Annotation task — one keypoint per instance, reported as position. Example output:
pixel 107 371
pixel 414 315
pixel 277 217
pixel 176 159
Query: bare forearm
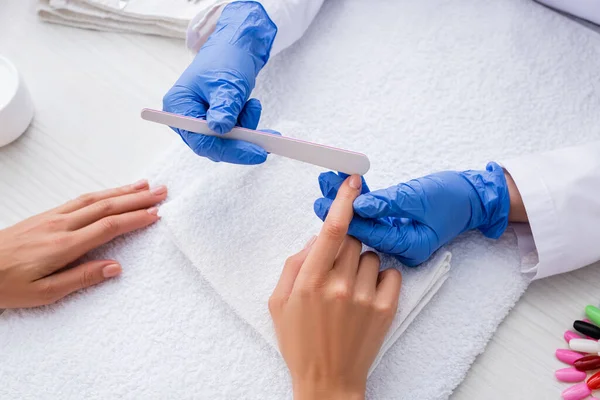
pixel 517 208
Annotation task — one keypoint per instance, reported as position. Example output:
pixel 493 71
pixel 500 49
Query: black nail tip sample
pixel 587 329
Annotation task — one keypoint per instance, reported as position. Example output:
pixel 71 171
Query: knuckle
pixel 307 291
pixel 110 225
pixel 56 223
pixel 291 260
pixel 340 291
pixel 61 241
pixel 85 199
pixel 274 303
pixel 169 99
pixel 47 292
pixel 334 228
pixel 385 310
pixel 105 206
pixel 86 278
pixel 363 300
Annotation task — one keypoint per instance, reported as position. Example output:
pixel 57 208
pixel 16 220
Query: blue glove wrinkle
pixel 329 183
pixel 321 207
pixel 495 196
pixel 246 25
pixel 250 115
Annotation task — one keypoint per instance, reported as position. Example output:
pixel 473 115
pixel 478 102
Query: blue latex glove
pixel 217 84
pixel 414 219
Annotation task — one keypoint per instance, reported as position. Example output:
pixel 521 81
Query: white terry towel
pixel 158 17
pixel 419 86
pixel 249 221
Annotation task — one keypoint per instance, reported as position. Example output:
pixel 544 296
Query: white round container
pixel 16 107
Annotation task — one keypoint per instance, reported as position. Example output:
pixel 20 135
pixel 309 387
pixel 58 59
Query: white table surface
pixel 88 89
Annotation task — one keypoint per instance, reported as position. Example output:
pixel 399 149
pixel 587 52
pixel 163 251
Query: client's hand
pixel 332 308
pixel 34 252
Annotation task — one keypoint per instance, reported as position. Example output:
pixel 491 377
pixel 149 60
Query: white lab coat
pixel 560 189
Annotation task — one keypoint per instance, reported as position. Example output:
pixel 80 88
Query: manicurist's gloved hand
pixel 218 83
pixel 414 219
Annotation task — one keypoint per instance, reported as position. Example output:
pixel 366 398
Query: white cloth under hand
pixel 234 233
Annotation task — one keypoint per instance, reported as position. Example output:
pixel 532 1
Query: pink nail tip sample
pixel 570 375
pixel 571 335
pixel 568 356
pixel 577 392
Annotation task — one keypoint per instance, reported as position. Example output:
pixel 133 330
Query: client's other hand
pixel 34 252
pixel 332 308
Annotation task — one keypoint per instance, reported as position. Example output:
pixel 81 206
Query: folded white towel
pixel 238 227
pixel 429 85
pixel 157 17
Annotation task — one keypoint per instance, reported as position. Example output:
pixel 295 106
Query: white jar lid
pixel 16 107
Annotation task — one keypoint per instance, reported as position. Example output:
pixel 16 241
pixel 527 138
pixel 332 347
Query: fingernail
pixel 153 211
pixel 142 183
pixel 158 190
pixel 310 242
pixel 112 270
pixel 355 182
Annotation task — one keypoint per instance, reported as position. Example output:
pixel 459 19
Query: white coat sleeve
pixel 292 18
pixel 561 194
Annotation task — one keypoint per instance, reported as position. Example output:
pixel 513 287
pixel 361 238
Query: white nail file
pixel 332 158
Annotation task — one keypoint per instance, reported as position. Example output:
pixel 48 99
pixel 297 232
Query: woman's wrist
pixel 311 390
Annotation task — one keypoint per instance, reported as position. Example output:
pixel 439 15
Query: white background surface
pixel 88 89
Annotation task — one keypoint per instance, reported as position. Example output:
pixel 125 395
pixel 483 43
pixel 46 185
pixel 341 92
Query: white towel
pixel 158 17
pixel 418 86
pixel 238 227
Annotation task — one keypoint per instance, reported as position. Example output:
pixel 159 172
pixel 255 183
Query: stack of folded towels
pixel 157 17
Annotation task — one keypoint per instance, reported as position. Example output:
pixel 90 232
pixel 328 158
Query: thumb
pixel 290 272
pixel 226 102
pixel 82 276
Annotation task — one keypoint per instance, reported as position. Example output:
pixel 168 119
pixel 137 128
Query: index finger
pixel 325 249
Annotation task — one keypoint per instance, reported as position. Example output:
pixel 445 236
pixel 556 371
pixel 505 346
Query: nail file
pixel 332 158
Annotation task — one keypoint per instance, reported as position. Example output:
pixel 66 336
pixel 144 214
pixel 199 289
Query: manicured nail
pixel 112 270
pixel 142 183
pixel 355 182
pixel 158 190
pixel 310 242
pixel 153 211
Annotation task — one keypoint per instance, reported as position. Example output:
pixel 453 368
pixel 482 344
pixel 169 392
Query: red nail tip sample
pixel 587 363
